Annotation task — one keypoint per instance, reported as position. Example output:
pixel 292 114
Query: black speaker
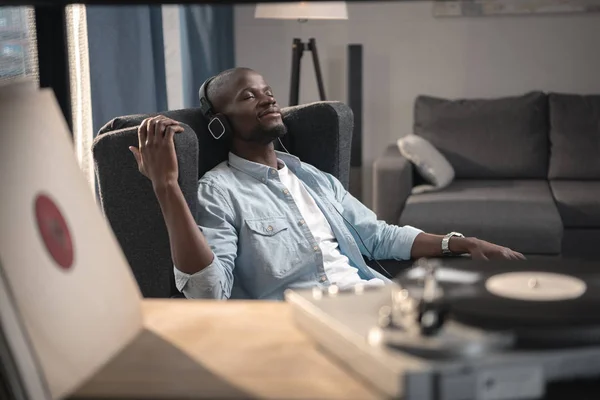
pixel 355 101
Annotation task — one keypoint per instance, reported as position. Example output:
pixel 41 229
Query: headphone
pixel 218 124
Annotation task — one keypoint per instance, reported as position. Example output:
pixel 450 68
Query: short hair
pixel 219 83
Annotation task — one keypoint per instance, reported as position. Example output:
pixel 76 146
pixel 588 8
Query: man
pixel 267 220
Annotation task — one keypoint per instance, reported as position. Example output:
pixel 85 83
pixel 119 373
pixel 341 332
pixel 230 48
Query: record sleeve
pixel 68 282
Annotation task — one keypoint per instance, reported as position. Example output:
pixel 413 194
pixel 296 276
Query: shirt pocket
pixel 272 242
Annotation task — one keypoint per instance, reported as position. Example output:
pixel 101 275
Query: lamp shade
pixel 302 10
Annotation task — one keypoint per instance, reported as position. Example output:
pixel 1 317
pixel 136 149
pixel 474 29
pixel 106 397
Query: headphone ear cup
pixel 219 127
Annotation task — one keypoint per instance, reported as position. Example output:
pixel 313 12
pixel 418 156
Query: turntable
pixel 493 330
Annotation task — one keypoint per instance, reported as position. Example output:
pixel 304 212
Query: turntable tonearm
pixel 500 331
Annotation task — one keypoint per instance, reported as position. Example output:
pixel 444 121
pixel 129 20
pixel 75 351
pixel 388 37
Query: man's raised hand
pixel 155 154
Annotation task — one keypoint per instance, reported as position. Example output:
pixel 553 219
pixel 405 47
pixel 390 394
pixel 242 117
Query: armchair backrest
pixel 319 134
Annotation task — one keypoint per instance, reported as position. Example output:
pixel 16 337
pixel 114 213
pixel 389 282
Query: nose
pixel 267 100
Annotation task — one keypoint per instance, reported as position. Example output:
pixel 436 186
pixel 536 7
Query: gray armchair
pixel 318 133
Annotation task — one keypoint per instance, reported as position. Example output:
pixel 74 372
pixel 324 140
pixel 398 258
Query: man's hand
pixel 428 245
pixel 482 250
pixel 155 155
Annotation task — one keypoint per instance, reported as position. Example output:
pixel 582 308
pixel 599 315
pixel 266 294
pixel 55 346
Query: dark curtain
pixel 207 41
pixel 127 65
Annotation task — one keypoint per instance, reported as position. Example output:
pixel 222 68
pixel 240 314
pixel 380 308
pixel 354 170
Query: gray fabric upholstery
pixel 488 138
pixel 392 184
pixel 575 136
pixel 129 204
pixel 581 243
pixel 519 214
pixel 578 203
pixel 319 133
pixel 210 151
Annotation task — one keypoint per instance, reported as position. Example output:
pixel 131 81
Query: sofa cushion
pixel 488 138
pixel 578 203
pixel 519 214
pixel 428 161
pixel 574 136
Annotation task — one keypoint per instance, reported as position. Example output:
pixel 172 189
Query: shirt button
pixel 316 248
pixel 263 179
pixel 273 172
pixel 323 279
pixel 301 222
pixel 286 191
pixel 269 228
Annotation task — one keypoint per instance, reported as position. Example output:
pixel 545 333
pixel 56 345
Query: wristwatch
pixel 446 242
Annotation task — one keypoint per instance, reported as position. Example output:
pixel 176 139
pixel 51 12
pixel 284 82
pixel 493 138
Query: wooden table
pixel 234 349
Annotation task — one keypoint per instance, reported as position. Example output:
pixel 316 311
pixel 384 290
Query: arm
pixel 428 245
pixel 386 241
pixel 194 259
pixel 216 219
pixel 189 248
pixel 375 238
pixel 157 161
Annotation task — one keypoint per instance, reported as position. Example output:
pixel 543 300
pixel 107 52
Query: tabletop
pixel 233 349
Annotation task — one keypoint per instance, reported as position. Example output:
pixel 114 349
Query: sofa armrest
pixel 392 184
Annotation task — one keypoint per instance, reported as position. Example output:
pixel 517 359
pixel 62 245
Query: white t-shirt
pixel 337 266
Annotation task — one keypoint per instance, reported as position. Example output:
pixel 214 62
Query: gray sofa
pixel 527 172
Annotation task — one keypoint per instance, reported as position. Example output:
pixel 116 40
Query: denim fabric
pixel 261 245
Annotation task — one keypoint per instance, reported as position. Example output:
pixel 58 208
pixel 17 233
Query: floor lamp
pixel 302 12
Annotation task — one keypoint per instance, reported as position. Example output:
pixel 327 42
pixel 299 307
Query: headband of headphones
pixel 205 106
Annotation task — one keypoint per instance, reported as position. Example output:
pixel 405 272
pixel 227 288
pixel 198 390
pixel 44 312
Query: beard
pixel 267 135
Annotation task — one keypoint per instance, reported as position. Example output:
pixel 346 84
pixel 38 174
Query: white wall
pixel 408 52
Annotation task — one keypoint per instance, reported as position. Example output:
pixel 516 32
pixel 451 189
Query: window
pixel 18 59
pixel 18 51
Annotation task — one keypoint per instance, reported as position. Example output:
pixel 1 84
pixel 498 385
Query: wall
pixel 408 52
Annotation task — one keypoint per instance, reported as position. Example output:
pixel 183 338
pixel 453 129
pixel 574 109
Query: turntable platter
pixel 535 286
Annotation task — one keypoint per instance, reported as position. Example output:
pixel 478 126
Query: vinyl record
pixel 545 303
pixel 525 295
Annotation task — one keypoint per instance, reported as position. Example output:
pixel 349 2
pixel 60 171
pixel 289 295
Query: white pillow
pixel 428 161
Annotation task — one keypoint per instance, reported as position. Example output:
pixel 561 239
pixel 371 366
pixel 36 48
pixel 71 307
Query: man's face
pixel 252 109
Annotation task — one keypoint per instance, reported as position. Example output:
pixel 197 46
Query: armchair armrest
pixel 392 184
pixel 132 210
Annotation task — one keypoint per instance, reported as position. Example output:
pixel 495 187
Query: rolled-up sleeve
pixel 215 220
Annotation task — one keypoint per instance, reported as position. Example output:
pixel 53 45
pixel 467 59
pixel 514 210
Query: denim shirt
pixel 260 242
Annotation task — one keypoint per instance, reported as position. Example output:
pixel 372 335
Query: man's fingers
pixel 520 256
pixel 136 154
pixel 170 132
pixel 160 128
pixel 171 128
pixel 143 133
pixel 150 127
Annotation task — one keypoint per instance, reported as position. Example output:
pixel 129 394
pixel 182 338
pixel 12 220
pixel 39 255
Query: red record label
pixel 54 231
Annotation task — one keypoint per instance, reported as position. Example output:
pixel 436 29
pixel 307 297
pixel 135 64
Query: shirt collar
pixel 261 171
